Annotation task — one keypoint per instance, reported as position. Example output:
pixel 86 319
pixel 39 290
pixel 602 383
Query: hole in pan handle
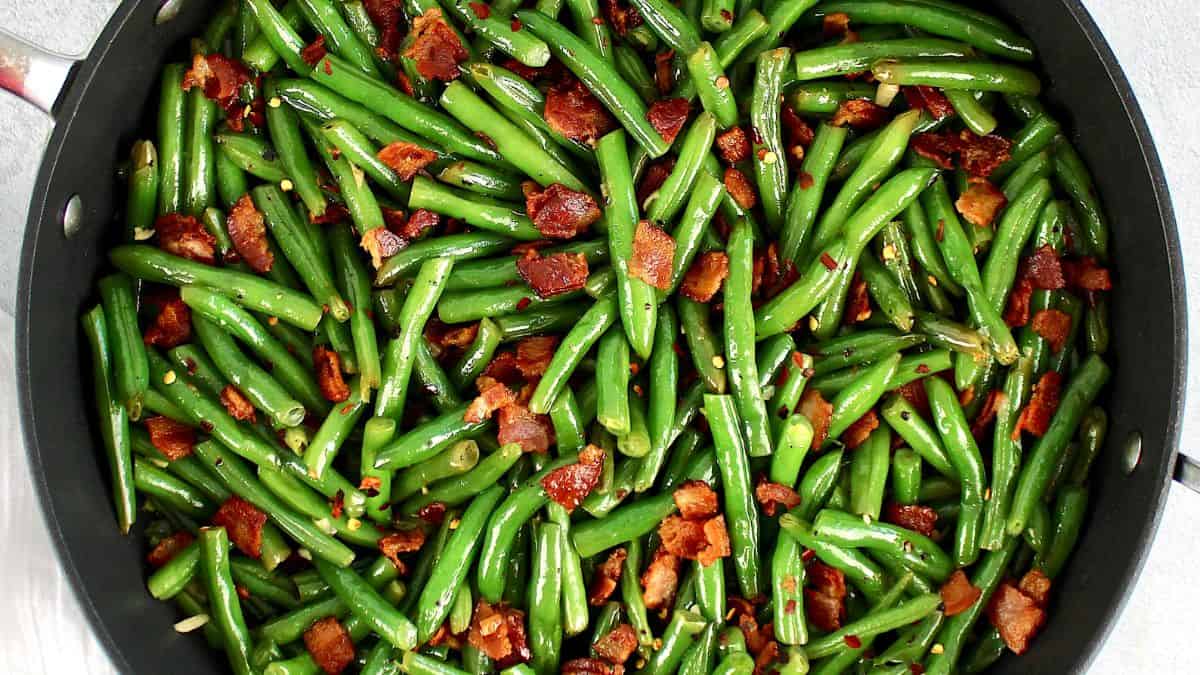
pixel 35 74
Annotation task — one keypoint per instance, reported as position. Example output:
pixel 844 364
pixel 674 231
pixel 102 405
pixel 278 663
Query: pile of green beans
pixel 861 356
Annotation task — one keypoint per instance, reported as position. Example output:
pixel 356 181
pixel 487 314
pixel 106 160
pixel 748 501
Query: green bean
pixel 456 460
pixel 172 120
pixel 224 606
pixel 231 185
pixel 285 135
pixel 251 154
pixel 732 459
pixel 1084 386
pixel 175 493
pixel 1069 513
pixel 612 380
pixel 716 16
pixel 891 298
pixel 974 115
pixel 401 350
pixel 334 430
pixel 1074 178
pixel 736 663
pixel 855 400
pixel 257 384
pixel 199 172
pixel 324 17
pixel 787 586
pixel 170 579
pixel 130 372
pixel 636 441
pixel 456 247
pixel 590 24
pixel 568 423
pixel 494 29
pixel 855 57
pixel 805 198
pixel 968 464
pixel 824 98
pixel 868 474
pixel 313 99
pixel 141 199
pixel 916 551
pixel 775 353
pixel 877 622
pixel 770 163
pixel 368 605
pixel 520 100
pixel 902 417
pixel 954 75
pixel 739 342
pixel 498 218
pixel 1013 232
pixel 1006 453
pixel 708 78
pixel 482 180
pixel 360 152
pixel 703 343
pixel 926 250
pixel 114 418
pixel 275 589
pixel 545 597
pixel 631 594
pixel 664 203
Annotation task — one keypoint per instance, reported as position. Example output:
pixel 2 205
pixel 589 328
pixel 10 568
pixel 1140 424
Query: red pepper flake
pixel 860 114
pixel 172 325
pixel 406 159
pixel 828 261
pixel 806 180
pixel 515 25
pixel 435 47
pixel 185 237
pixel 314 52
pixel 174 440
pixel 237 404
pixel 248 232
pixel 168 548
pixel 554 274
pixel 1055 326
pixel 668 116
pixel 433 513
pixel 481 10
pixel 922 519
pixel 958 594
pixel 558 212
pixel 733 145
pixel 574 111
pixel 980 203
pixel 1036 416
pixel 244 523
pixel 329 374
pixel 740 188
pixel 705 276
pixel 775 497
pixel 852 641
pixel 328 67
pixel 569 485
pixel 653 255
pixel 330 645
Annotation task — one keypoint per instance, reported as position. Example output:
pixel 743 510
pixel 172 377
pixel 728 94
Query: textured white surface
pixel 1158 45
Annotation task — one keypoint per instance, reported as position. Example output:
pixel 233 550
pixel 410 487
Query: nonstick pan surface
pixel 101 112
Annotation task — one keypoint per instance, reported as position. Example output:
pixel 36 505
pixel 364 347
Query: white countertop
pixel 1158 45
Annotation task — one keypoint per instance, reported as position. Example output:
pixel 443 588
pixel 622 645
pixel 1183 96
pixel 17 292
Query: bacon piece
pixel 991 407
pixel 433 513
pixel 534 355
pixel 249 235
pixel 819 413
pixel 664 72
pixel 336 213
pixel 773 496
pixel 978 155
pixel 621 16
pixel 733 145
pixel 797 131
pixel 492 397
pixel 553 274
pixel 329 374
pixel 765 659
pixel 681 537
pixel 653 255
pixel 617 645
pixel 1016 616
pixel 443 337
pixel 381 243
pixel 574 111
pixel 499 632
pixel 1016 312
pixel 668 116
pixel 559 212
pixel 660 580
pixel 244 523
pixel 653 178
pixel 221 78
pixel 435 47
pixel 517 424
pixel 589 666
pixel 695 499
pixel 958 594
pixel 739 188
pixel 172 326
pixel 1054 325
pixel 174 440
pixel 1043 269
pixel 1036 416
pixel 980 203
pixel 1036 586
pixel 569 485
pixel 185 237
pixel 1086 275
pixel 406 159
pixel 169 547
pixel 929 99
pixel 914 393
pixel 717 536
pixel 329 643
pixel 402 541
pixel 605 579
pixel 314 52
pixel 386 14
pixel 705 276
pixel 835 24
pixel 237 404
pixel 858 301
pixel 922 519
pixel 857 433
pixel 825 601
pixel 420 221
pixel 859 113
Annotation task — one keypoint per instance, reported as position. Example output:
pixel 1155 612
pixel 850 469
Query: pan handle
pixel 1187 472
pixel 34 74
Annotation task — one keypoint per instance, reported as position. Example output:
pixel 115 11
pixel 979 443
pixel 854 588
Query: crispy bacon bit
pixel 859 113
pixel 766 657
pixel 221 78
pixel 1036 585
pixel 653 178
pixel 499 632
pixel 1016 616
pixel 481 10
pixel 806 180
pixel 337 504
pixel 1036 416
pixel 653 254
pixel 1016 312
pixel 237 404
pixel 978 155
pixel 858 302
pixel 402 541
pixel 169 547
pixel 991 407
pixel 980 203
pixel 329 643
pixel 172 326
pixel 491 398
pixel 381 243
pixel 668 116
pixel 244 523
pixel 554 274
pixel 664 72
pixel 442 336
pixel 621 16
pixel 824 602
pixel 589 666
pixel 1086 275
pixel 958 594
pixel 517 424
pixel 314 52
pixel 835 24
pixel 798 132
pixel 185 237
pixel 704 278
pixel 929 99
pixel 604 582
pixel 857 433
pixel 1054 325
pixel 696 499
pixel 385 14
pixel 334 213
pixel 773 496
pixel 558 212
pixel 1043 269
pixel 740 188
pixel 733 145
pixel 534 354
pixel 681 537
pixel 370 485
pixel 569 485
pixel 660 580
pixel 574 111
pixel 828 261
pixel 329 374
pixel 617 645
pixel 913 517
pixel 819 412
pixel 249 235
pixel 435 47
pixel 433 513
pixel 406 159
pixel 717 536
pixel 174 440
pixel 420 221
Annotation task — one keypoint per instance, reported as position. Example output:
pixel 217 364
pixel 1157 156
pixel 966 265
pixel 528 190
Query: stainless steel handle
pixel 34 74
pixel 1187 472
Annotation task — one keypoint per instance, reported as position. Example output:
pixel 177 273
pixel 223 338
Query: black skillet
pixel 99 113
